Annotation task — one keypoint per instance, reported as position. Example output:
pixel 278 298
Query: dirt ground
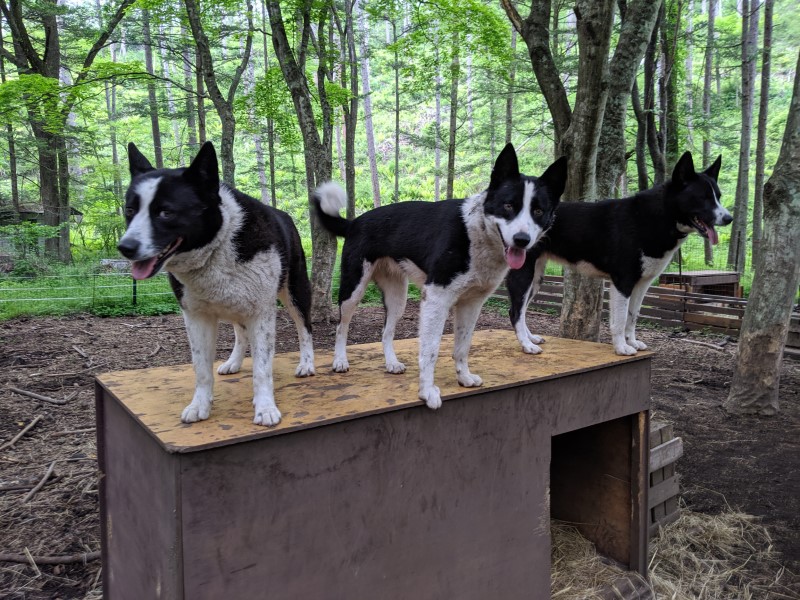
pixel 749 463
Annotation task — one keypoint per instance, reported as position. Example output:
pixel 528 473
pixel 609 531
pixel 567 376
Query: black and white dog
pixel 456 251
pixel 229 258
pixel 629 241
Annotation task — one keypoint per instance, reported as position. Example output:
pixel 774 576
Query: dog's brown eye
pixel 538 212
pixel 165 214
pixel 129 212
pixel 508 206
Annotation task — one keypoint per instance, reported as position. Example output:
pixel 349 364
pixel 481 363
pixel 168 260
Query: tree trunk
pixel 670 33
pixel 737 251
pixel 223 104
pixel 351 111
pixel 761 137
pixel 317 151
pixel 653 142
pixel 455 72
pixel 689 79
pixel 641 139
pixel 470 119
pixel 396 196
pixel 191 117
pixel 437 126
pixel 365 86
pixel 165 70
pixel 12 151
pixel 270 121
pixel 754 388
pixel 151 89
pixel 512 75
pixel 707 76
pixel 577 133
pixel 638 20
pixel 201 105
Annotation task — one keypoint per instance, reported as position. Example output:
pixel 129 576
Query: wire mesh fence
pixel 97 292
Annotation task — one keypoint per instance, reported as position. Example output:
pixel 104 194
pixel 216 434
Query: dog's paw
pixel 535 339
pixel 340 365
pixel 395 367
pixel 529 348
pixel 431 396
pixel 304 370
pixel 469 380
pixel 624 349
pixel 196 412
pixel 637 344
pixel 267 415
pixel 229 366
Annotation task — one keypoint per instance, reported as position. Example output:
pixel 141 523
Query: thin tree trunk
pixel 396 196
pixel 201 105
pixel 737 251
pixel 351 111
pixel 670 33
pixel 222 103
pixel 455 72
pixel 653 143
pixel 761 137
pixel 365 86
pixel 270 121
pixel 512 75
pixel 641 138
pixel 689 81
pixel 151 89
pixel 437 129
pixel 756 381
pixel 470 119
pixel 191 116
pixel 12 150
pixel 707 76
pixel 165 69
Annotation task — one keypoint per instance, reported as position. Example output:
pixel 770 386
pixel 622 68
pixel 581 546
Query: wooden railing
pixel 668 307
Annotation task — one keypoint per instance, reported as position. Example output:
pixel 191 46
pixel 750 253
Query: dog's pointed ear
pixel 684 171
pixel 204 169
pixel 555 177
pixel 137 163
pixel 505 167
pixel 713 170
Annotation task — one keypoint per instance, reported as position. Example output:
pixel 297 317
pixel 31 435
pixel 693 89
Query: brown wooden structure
pixel 362 491
pixel 720 283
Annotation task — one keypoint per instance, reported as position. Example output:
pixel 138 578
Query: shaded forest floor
pixel 748 463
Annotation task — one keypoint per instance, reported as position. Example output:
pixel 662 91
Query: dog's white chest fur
pixel 215 283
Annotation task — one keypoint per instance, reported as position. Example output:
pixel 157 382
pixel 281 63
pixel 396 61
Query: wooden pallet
pixel 665 450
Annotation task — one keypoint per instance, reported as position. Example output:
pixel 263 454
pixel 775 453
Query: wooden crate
pixel 362 492
pixel 665 450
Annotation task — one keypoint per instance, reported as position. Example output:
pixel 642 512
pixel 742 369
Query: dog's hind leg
pixel 637 297
pixel 617 318
pixel 234 362
pixel 435 305
pixel 394 287
pixel 523 285
pixel 465 315
pixel 352 286
pixel 202 332
pixel 262 340
pixel 297 300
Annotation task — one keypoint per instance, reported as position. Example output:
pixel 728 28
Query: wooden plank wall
pixel 669 307
pixel 665 450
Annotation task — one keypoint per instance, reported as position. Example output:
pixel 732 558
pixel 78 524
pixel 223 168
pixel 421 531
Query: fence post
pixel 134 291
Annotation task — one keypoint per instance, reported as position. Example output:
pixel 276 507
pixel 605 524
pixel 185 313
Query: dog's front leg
pixel 637 297
pixel 617 319
pixel 262 343
pixel 432 316
pixel 465 316
pixel 202 332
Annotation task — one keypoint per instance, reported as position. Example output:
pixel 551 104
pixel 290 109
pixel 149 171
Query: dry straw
pixel 698 557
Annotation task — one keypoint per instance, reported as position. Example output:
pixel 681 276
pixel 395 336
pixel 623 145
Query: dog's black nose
pixel 726 220
pixel 521 240
pixel 128 248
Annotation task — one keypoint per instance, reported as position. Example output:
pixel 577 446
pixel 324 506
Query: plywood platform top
pixel 155 397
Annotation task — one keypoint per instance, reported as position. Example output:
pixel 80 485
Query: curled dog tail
pixel 329 199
